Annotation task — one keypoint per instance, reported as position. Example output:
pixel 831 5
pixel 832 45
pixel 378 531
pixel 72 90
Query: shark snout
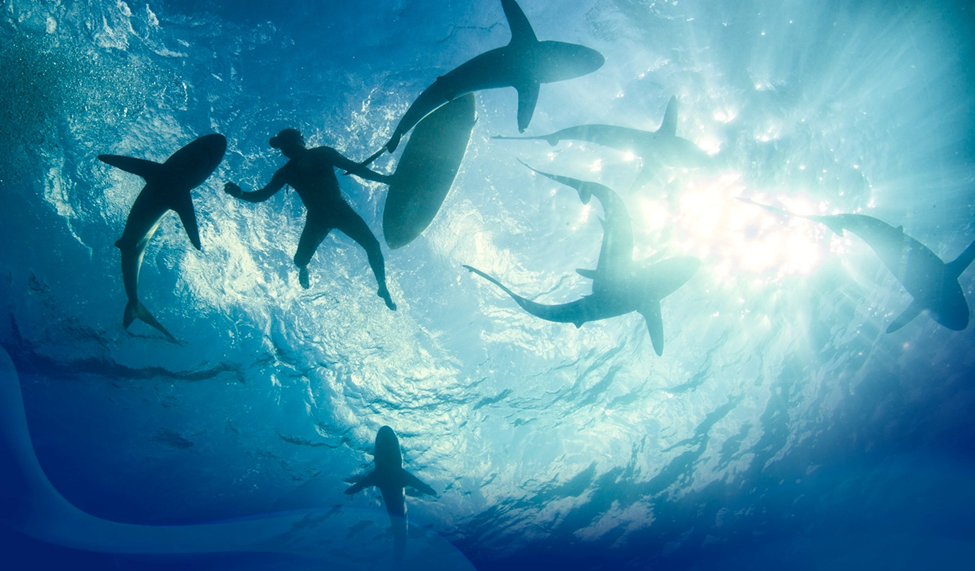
pixel 561 61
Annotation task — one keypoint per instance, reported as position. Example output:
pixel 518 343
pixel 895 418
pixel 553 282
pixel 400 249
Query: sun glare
pixel 741 238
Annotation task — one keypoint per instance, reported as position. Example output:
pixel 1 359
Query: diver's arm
pixel 276 184
pixel 355 169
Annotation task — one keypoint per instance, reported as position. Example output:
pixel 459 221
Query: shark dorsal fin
pixel 588 274
pixel 521 30
pixel 146 169
pixel 961 263
pixel 669 126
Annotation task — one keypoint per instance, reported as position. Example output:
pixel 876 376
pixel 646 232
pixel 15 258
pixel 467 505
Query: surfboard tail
pixel 135 310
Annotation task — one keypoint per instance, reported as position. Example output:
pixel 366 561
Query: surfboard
pixel 426 171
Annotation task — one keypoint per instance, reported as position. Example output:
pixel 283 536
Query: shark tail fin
pixel 141 167
pixel 369 480
pixel 832 223
pixel 961 263
pixel 135 310
pixel 412 481
pixel 521 29
pixel 669 126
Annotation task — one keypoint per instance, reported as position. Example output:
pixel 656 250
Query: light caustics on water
pixel 536 434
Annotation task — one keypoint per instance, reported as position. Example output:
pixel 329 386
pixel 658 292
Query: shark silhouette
pixel 657 148
pixel 931 282
pixel 619 285
pixel 168 187
pixel 391 479
pixel 30 504
pixel 525 63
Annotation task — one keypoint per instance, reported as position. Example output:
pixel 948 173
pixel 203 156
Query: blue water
pixel 781 428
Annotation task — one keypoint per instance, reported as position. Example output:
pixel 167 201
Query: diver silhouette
pixel 311 173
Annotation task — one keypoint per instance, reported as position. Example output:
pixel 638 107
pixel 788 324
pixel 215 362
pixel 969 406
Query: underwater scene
pixel 578 284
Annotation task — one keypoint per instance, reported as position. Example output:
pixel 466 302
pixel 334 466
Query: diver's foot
pixel 384 293
pixel 303 277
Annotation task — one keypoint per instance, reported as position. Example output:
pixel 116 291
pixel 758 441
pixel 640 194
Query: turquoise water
pixel 781 427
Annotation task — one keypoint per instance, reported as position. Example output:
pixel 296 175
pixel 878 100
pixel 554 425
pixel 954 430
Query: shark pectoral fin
pixel 906 317
pixel 650 168
pixel 146 169
pixel 412 481
pixel 669 126
pixel 527 98
pixel 183 206
pixel 521 29
pixel 655 324
pixel 589 274
pixel 957 266
pixel 369 480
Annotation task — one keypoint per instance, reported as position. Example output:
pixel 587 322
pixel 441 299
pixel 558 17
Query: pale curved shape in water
pixel 30 504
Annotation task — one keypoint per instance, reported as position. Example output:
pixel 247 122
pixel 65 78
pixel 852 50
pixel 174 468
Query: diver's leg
pixel 314 232
pixel 356 228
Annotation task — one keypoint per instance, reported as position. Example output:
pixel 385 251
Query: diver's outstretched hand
pixel 233 190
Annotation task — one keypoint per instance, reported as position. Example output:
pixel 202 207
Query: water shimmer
pixel 782 427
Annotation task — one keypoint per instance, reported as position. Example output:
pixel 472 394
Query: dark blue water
pixel 781 428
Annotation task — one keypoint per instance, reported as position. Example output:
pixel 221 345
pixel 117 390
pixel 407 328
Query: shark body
pixel 619 284
pixel 168 187
pixel 931 282
pixel 657 148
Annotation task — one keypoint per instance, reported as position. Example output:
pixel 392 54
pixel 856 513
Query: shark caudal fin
pixel 832 222
pixel 141 167
pixel 582 187
pixel 957 266
pixel 669 125
pixel 135 310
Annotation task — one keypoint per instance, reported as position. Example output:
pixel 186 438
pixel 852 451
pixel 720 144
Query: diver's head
pixel 289 141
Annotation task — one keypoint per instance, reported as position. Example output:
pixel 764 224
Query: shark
pixel 32 505
pixel 620 285
pixel 391 479
pixel 168 187
pixel 931 282
pixel 525 63
pixel 657 148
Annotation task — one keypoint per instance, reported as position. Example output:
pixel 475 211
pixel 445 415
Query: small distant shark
pixel 525 63
pixel 931 282
pixel 619 285
pixel 657 148
pixel 391 479
pixel 168 187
